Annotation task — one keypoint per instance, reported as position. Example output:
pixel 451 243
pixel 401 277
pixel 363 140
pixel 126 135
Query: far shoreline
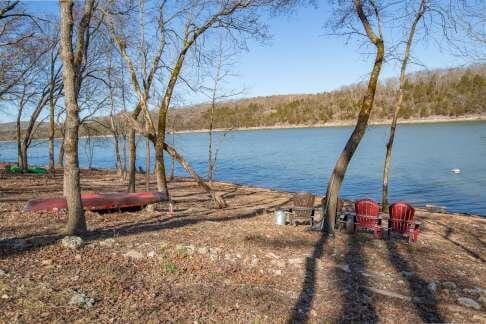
pixel 347 123
pixel 333 124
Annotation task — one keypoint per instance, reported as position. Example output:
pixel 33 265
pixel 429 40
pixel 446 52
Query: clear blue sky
pixel 301 58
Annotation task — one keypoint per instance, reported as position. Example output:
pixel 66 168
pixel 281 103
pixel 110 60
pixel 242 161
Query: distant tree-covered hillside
pixel 451 93
pixel 454 92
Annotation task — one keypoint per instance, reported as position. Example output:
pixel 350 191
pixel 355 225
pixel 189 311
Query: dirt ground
pixel 231 265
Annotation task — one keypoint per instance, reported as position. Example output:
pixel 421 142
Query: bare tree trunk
pixel 342 163
pixel 147 164
pixel 18 136
pixel 52 107
pixel 71 66
pixel 24 164
pixel 132 149
pixel 210 144
pixel 159 154
pixel 52 130
pixel 119 164
pixel 172 161
pixel 401 93
pixel 60 157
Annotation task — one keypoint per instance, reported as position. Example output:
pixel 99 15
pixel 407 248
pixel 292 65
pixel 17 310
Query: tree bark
pixel 24 163
pixel 147 164
pixel 132 158
pixel 401 94
pixel 60 157
pixel 342 163
pixel 52 107
pixel 159 154
pixel 52 126
pixel 72 81
pixel 18 136
pixel 210 134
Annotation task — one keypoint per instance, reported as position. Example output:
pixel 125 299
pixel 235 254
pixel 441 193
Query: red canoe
pixel 101 201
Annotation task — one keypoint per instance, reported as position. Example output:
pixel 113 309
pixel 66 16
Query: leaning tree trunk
pixel 218 199
pixel 159 154
pixel 342 163
pixel 401 94
pixel 389 149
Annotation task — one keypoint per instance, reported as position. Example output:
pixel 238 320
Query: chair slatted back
pixel 401 217
pixel 302 204
pixel 366 213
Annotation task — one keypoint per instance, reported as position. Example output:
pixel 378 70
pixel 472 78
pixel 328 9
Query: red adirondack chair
pixel 367 216
pixel 402 221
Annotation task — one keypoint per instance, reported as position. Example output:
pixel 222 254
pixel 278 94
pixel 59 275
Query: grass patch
pixel 170 267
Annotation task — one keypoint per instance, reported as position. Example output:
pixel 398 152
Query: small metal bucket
pixel 280 217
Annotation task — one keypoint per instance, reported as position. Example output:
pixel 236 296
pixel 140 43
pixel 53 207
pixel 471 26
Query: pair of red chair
pixel 401 219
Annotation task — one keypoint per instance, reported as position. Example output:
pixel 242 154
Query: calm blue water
pixel 302 159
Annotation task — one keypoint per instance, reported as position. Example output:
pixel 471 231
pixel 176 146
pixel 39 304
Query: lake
pixel 302 159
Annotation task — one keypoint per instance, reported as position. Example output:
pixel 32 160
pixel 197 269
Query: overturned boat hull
pixel 99 201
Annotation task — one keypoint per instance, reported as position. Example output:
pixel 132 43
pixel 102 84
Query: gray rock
pixel 109 242
pixel 81 300
pixel 344 267
pixel 277 272
pixel 203 250
pixel 468 302
pixel 476 292
pixel 254 261
pixel 151 207
pixel 449 285
pixel 46 262
pixel 3 273
pixel 215 250
pixel 72 242
pixel 482 300
pixel 279 263
pixel 213 255
pixel 432 287
pixel 296 261
pixel 228 257
pixel 134 254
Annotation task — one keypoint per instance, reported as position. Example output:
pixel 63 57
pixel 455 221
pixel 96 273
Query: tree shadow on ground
pixel 357 304
pixel 449 231
pixel 422 298
pixel 301 309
